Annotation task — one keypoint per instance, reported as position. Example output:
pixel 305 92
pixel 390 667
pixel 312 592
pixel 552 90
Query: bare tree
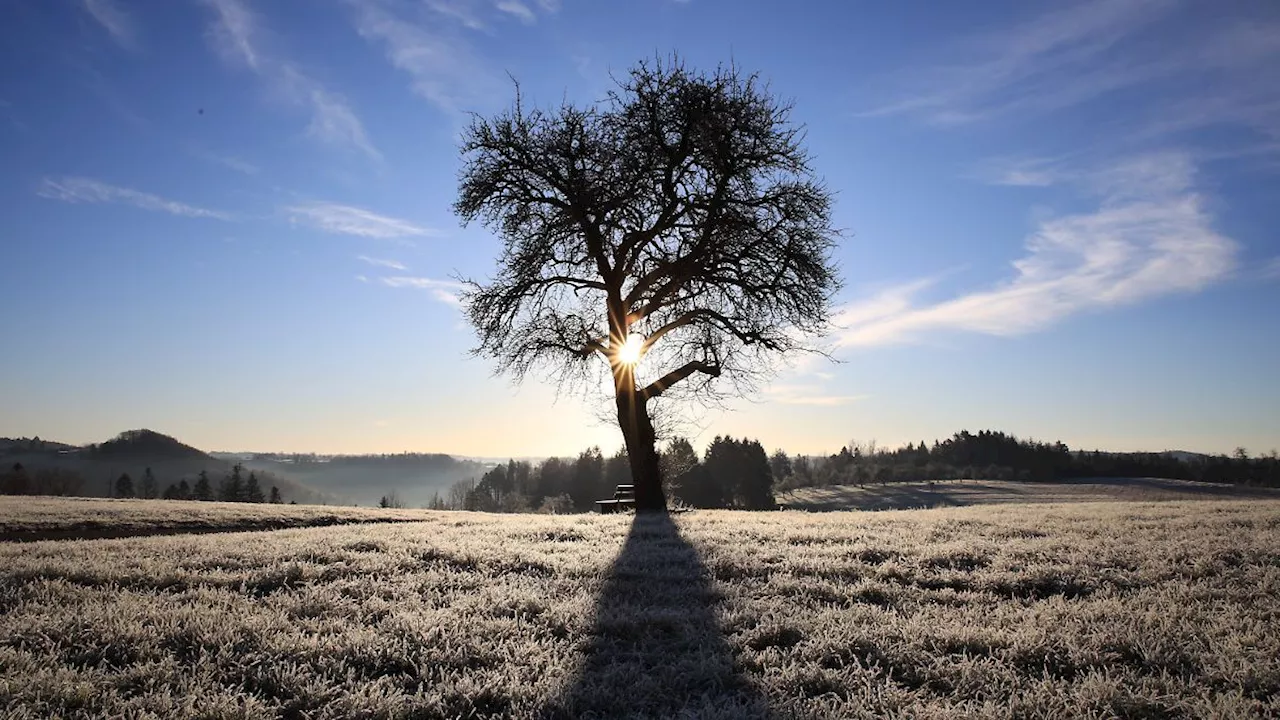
pixel 675 230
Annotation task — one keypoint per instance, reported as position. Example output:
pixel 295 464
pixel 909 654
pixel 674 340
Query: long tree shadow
pixel 656 648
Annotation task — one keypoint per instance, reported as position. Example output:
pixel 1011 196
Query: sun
pixel 629 353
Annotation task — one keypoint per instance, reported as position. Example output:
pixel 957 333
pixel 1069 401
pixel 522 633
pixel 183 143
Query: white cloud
pixel 235 35
pixel 334 122
pixel 811 395
pixel 1151 236
pixel 85 190
pixel 228 161
pixel 1077 53
pixel 376 262
pixel 117 23
pixel 444 68
pixel 518 10
pixel 445 291
pixel 350 220
pixel 431 49
pixel 465 12
pixel 1271 269
pixel 1020 172
pixel 1041 61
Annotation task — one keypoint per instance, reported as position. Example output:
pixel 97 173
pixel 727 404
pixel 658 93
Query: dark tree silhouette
pixel 232 489
pixel 682 472
pixel 202 490
pixel 252 490
pixel 675 231
pixel 16 481
pixel 275 495
pixel 150 487
pixel 740 470
pixel 124 486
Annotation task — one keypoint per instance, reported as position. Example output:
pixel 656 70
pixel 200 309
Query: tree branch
pixel 659 386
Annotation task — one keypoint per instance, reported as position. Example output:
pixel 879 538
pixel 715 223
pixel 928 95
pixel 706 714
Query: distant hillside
pixel 134 451
pixel 145 444
pixel 363 479
pixel 1186 456
pixel 15 445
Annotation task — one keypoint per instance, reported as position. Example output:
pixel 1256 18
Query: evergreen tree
pixel 714 486
pixel 232 489
pixel 149 487
pixel 275 495
pixel 617 469
pixel 252 491
pixel 202 490
pixel 588 477
pixel 15 482
pixel 124 486
pixel 171 492
pixel 184 491
pixel 754 489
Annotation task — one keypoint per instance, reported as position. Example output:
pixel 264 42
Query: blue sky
pixel 229 220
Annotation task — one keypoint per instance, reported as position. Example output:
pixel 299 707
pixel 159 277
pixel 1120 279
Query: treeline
pixel 404 459
pixel 732 474
pixel 45 481
pixel 232 487
pixel 736 473
pixel 992 455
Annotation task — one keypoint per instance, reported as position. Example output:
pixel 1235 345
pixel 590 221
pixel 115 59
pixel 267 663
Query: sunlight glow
pixel 630 351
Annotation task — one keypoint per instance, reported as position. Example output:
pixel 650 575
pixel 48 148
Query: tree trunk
pixel 642 453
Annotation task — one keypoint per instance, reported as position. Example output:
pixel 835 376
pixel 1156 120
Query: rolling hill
pixel 326 480
pixel 132 452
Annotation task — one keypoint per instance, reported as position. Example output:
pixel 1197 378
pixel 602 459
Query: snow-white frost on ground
pixel 1165 609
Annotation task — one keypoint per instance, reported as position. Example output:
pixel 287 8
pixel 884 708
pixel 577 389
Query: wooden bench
pixel 624 496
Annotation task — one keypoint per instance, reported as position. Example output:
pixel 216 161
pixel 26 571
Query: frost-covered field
pixel 1083 610
pixel 36 518
pixel 953 493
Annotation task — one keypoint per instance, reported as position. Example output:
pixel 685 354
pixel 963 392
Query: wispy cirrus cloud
pixel 377 262
pixel 233 35
pixel 86 190
pixel 811 395
pixel 228 161
pixel 1020 172
pixel 115 21
pixel 446 291
pixel 443 67
pixel 332 120
pixel 429 44
pixel 1151 236
pixel 1045 62
pixel 351 220
pixel 1271 269
pixel 236 35
pixel 519 10
pixel 1178 72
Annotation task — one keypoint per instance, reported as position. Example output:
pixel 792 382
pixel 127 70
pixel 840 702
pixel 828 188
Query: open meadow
pixel 1144 610
pixel 959 493
pixel 54 518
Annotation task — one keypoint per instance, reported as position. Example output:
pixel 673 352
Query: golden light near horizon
pixel 631 350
